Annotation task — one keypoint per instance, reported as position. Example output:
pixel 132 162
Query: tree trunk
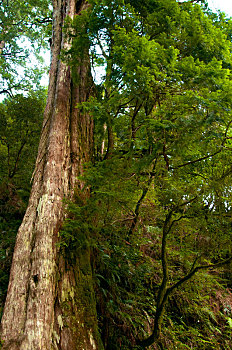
pixel 50 304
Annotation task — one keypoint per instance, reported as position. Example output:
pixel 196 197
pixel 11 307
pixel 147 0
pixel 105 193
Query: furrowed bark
pixel 50 304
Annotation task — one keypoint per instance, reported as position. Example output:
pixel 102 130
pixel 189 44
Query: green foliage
pixel 199 319
pixel 160 185
pixel 25 27
pixel 20 125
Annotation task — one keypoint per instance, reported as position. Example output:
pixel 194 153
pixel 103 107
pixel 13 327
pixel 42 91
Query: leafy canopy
pixel 160 184
pixel 25 27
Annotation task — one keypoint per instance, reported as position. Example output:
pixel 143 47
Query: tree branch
pixel 161 308
pixel 143 195
pixel 5 91
pixel 196 160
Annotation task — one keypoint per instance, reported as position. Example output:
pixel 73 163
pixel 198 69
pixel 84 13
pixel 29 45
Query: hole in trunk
pixel 36 279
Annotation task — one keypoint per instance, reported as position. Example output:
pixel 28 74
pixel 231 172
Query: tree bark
pixel 50 304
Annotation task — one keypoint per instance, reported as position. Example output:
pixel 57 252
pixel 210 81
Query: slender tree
pixel 50 303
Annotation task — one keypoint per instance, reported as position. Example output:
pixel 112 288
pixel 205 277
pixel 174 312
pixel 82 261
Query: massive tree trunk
pixel 50 303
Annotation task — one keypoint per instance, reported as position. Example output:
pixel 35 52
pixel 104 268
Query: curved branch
pixel 140 201
pixel 196 160
pixel 5 91
pixel 193 272
pixel 161 308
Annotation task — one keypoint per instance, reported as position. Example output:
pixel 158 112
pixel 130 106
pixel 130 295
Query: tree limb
pixel 161 308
